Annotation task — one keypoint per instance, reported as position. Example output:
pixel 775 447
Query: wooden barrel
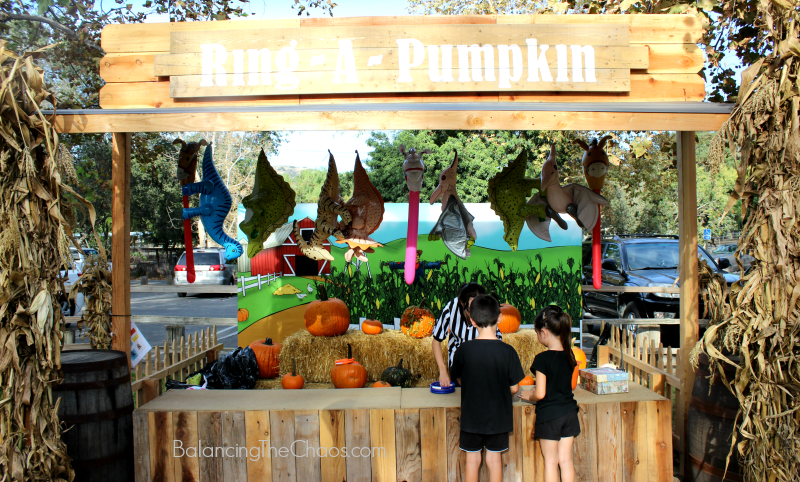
pixel 96 404
pixel 710 425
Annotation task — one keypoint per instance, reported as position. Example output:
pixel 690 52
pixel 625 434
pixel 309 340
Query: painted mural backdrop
pixel 281 281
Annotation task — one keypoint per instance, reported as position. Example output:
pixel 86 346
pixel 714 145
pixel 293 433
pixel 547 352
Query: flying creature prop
pixel 268 206
pixel 454 226
pixel 595 167
pixel 578 201
pixel 508 192
pixel 215 204
pixel 187 171
pixel 329 208
pixel 366 210
pixel 413 169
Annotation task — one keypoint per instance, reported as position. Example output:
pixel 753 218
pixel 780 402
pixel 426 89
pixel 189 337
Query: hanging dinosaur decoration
pixel 454 226
pixel 186 174
pixel 329 208
pixel 268 206
pixel 366 210
pixel 215 204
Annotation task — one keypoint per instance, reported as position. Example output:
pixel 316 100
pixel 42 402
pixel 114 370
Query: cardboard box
pixel 603 374
pixel 604 381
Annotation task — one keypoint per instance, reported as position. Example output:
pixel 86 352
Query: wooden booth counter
pixel 387 434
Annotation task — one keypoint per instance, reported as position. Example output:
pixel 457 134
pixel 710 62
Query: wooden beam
pixel 386 120
pixel 688 273
pixel 120 242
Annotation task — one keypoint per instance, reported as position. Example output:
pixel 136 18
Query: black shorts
pixel 562 427
pixel 475 442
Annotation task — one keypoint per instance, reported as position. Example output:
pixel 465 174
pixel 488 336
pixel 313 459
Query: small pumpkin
pixel 528 380
pixel 397 376
pixel 348 373
pixel 327 316
pixel 242 314
pixel 580 357
pixel 417 321
pixel 267 357
pixel 292 381
pixel 372 327
pixel 381 384
pixel 510 319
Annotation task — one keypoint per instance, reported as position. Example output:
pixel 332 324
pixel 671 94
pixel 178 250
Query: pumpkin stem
pixel 400 365
pixel 349 351
pixel 268 342
pixel 294 368
pixel 322 293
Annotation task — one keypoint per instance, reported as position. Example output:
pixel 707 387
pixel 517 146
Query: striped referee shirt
pixel 452 321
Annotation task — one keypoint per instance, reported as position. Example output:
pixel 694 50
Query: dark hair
pixel 469 290
pixel 484 311
pixel 558 323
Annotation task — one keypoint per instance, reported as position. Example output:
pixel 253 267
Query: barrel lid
pixel 74 361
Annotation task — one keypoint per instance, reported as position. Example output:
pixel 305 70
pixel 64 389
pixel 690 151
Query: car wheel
pixel 630 311
pixel 181 295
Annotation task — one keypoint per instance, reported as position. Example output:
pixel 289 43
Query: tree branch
pixel 4 17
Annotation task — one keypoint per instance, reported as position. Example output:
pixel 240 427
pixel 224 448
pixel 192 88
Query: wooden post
pixel 175 333
pixel 688 272
pixel 120 243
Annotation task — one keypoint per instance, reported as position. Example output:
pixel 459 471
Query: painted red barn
pixel 281 254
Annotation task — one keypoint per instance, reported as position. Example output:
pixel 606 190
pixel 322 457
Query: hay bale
pixel 315 355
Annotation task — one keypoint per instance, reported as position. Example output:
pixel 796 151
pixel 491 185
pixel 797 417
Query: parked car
pixel 728 251
pixel 210 268
pixel 644 261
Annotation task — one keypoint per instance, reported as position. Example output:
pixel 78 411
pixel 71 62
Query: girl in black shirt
pixel 557 422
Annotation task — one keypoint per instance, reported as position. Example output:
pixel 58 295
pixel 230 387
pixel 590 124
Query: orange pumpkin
pixel 380 384
pixel 510 319
pixel 242 314
pixel 372 327
pixel 348 373
pixel 528 380
pixel 417 321
pixel 267 357
pixel 580 357
pixel 327 316
pixel 292 381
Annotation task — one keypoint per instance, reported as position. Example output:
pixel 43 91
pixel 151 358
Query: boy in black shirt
pixel 486 368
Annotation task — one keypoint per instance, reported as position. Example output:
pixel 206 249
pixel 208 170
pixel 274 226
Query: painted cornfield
pixel 529 287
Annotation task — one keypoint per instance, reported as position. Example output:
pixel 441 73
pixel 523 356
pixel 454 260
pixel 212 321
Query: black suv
pixel 644 261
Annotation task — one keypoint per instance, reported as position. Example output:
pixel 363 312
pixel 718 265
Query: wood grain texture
pixel 234 468
pixel 408 445
pixel 399 20
pixel 585 447
pixel 357 434
pixel 433 440
pixel 141 446
pixel 528 447
pixel 144 95
pixel 674 58
pixel 332 441
pixel 187 467
pixel 659 440
pixel 512 458
pixel 257 434
pixel 138 67
pixel 634 436
pixel 209 433
pixel 162 464
pixel 120 241
pixel 382 440
pixel 609 465
pixel 307 435
pixel 456 458
pixel 283 436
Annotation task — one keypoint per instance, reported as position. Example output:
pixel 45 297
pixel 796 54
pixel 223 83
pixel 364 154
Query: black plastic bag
pixel 176 385
pixel 238 370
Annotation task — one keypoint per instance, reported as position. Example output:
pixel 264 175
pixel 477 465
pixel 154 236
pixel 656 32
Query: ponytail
pixel 559 323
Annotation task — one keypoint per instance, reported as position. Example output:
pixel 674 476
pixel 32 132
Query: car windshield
pixel 202 259
pixel 657 256
pixel 725 249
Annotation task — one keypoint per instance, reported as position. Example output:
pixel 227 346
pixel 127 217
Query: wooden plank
pixel 391 98
pixel 257 434
pixel 528 416
pixel 433 439
pixel 141 446
pixel 162 463
pixel 209 433
pixel 456 458
pixel 234 468
pixel 380 120
pixel 399 20
pixel 635 461
pixel 585 448
pixel 609 438
pixel 659 437
pixel 120 241
pixel 685 58
pixel 307 437
pixel 138 67
pixel 187 467
pixel 282 438
pixel 139 95
pixel 408 445
pixel 382 437
pixel 512 458
pixel 357 434
pixel 332 442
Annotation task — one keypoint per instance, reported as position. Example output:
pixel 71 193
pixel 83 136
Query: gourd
pixel 372 327
pixel 267 357
pixel 417 321
pixel 397 376
pixel 580 357
pixel 292 381
pixel 510 319
pixel 528 380
pixel 348 373
pixel 327 316
pixel 381 384
pixel 242 314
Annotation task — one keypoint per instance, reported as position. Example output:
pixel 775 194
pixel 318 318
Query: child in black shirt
pixel 557 422
pixel 486 368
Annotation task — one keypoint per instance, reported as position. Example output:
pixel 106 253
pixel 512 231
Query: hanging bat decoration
pixel 366 212
pixel 413 170
pixel 454 226
pixel 595 167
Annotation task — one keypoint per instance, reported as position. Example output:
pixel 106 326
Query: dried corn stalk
pixel 33 247
pixel 95 284
pixel 762 324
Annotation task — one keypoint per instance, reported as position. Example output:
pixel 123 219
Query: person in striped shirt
pixel 454 324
